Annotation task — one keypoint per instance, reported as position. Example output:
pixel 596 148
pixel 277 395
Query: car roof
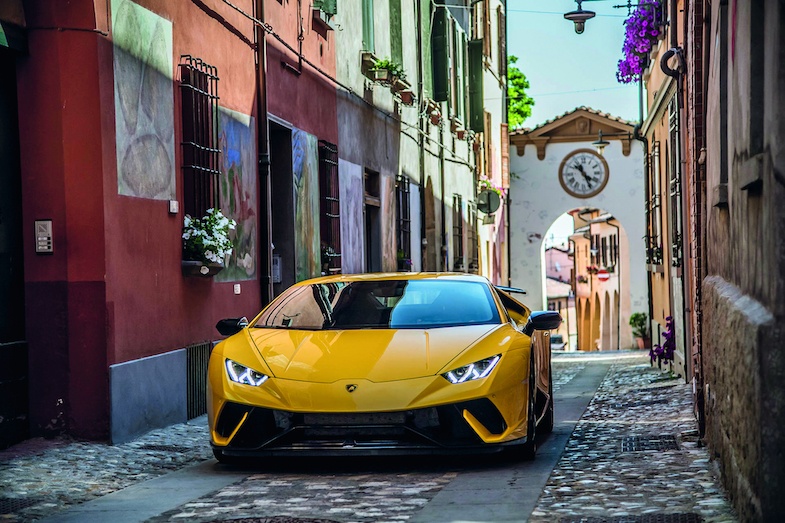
pixel 379 276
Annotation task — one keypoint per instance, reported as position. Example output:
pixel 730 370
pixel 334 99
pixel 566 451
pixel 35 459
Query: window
pixel 674 166
pixel 654 249
pixel 457 231
pixel 199 90
pixel 403 224
pixel 604 250
pixel 329 206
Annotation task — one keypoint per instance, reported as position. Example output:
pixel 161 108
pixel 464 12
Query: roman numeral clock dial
pixel 583 173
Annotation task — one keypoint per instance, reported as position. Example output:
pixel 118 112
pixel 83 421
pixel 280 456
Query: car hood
pixel 376 355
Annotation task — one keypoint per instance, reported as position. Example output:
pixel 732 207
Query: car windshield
pixel 384 304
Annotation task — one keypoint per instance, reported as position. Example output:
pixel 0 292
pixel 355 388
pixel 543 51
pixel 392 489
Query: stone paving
pixel 635 452
pixel 595 480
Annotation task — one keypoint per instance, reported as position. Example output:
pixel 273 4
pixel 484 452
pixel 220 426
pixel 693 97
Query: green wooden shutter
pixel 367 10
pixel 476 102
pixel 329 7
pixel 440 50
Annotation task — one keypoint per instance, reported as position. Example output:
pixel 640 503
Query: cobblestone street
pixel 634 453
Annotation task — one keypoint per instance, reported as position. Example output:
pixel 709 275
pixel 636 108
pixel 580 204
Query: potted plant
pixel 386 70
pixel 404 263
pixel 206 243
pixel 327 255
pixel 639 322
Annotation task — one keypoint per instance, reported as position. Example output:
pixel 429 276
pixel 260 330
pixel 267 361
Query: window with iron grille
pixel 457 230
pixel 403 229
pixel 199 90
pixel 473 240
pixel 330 212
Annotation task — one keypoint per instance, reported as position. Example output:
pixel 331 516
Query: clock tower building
pixel 557 169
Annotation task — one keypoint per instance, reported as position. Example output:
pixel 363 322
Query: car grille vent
pixel 230 417
pixel 642 443
pixel 486 413
pixel 678 517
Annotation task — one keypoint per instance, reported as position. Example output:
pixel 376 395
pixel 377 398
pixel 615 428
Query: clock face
pixel 583 173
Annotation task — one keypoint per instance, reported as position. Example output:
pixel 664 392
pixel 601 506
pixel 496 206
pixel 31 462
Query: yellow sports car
pixel 425 363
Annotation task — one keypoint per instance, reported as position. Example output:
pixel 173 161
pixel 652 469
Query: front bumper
pixel 255 431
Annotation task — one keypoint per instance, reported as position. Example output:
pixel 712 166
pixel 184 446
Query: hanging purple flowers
pixel 665 353
pixel 641 33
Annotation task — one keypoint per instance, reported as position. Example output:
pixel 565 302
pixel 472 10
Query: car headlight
pixel 473 371
pixel 242 374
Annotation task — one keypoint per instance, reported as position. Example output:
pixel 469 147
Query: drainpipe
pixel 266 228
pixel 421 138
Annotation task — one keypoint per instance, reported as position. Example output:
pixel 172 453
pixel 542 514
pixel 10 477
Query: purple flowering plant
pixel 665 352
pixel 641 33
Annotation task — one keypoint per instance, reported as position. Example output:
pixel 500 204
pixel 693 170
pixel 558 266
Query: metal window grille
pixel 457 230
pixel 199 89
pixel 330 211
pixel 404 219
pixel 197 356
pixel 675 182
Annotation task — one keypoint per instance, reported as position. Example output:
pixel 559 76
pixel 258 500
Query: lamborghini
pixel 377 364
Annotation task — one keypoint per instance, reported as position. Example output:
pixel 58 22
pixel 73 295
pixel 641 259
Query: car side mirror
pixel 229 326
pixel 542 321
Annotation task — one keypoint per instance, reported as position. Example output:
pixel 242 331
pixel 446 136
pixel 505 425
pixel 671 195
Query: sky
pixel 566 70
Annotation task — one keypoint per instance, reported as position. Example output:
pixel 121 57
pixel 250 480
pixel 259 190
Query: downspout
pixel 421 138
pixel 262 123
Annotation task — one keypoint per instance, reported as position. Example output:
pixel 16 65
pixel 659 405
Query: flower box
pixel 201 269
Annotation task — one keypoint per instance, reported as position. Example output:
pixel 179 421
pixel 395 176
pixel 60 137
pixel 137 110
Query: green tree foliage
pixel 520 103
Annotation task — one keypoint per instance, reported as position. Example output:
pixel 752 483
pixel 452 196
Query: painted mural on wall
pixel 144 104
pixel 352 231
pixel 238 191
pixel 305 169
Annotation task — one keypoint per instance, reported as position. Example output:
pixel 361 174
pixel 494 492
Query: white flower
pixel 207 239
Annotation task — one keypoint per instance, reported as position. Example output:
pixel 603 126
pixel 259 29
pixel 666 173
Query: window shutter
pixel 505 146
pixel 502 29
pixel 440 50
pixel 476 102
pixel 329 7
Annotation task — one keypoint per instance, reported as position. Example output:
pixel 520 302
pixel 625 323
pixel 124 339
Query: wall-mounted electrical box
pixel 43 237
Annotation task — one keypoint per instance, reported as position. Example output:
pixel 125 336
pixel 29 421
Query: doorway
pixel 282 203
pixel 373 227
pixel 13 346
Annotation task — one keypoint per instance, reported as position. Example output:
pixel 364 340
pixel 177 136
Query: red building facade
pixel 123 107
